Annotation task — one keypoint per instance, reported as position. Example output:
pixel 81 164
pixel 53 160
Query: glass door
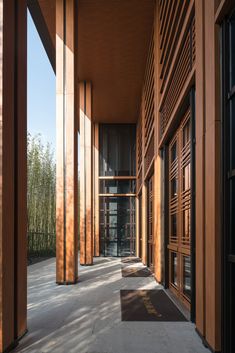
pixel 117 226
pixel 117 189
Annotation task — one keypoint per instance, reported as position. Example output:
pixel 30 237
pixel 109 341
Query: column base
pixel 67 283
pixel 14 344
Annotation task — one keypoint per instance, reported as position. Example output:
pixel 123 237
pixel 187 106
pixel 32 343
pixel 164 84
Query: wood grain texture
pixel 96 189
pixel 13 171
pixel 200 167
pixel 67 129
pixel 212 182
pixel 86 174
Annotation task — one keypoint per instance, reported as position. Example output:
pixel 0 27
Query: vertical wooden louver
pixel 148 101
pixel 176 33
pixel 139 152
pixel 180 74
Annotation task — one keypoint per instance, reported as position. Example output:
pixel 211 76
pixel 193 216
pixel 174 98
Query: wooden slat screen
pixel 139 180
pixel 173 197
pixel 181 72
pixel 139 143
pixel 149 153
pixel 172 15
pixel 145 124
pixel 149 95
pixel 139 135
pixel 179 178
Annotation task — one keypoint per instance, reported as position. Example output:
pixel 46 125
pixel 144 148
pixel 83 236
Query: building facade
pixel 149 85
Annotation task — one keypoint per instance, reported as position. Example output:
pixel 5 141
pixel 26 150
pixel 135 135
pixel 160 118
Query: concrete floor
pixel 86 318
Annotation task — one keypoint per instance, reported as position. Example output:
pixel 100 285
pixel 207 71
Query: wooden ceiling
pixel 113 41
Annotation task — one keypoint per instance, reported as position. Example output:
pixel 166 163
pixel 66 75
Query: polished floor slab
pixel 86 317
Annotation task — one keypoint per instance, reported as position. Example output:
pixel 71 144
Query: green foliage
pixel 41 197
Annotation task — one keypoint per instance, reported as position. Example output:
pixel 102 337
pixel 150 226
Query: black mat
pixel 148 305
pixel 130 260
pixel 136 272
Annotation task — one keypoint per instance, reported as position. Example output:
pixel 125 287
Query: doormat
pixel 136 272
pixel 130 260
pixel 148 305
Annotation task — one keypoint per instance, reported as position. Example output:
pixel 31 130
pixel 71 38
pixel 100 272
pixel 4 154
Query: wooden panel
pixel 13 171
pixel 116 34
pixel 144 224
pixel 86 177
pixel 150 222
pixel 200 168
pixel 158 186
pixel 96 190
pixel 212 181
pixel 66 178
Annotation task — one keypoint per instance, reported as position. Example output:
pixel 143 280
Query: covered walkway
pixel 87 318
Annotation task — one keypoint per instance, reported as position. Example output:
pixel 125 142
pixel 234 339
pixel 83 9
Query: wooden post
pixel 86 184
pixel 96 238
pixel 13 171
pixel 67 130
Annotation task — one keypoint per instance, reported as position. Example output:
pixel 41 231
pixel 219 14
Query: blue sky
pixel 41 89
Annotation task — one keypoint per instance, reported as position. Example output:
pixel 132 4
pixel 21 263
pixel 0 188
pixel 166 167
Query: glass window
pixel 187 276
pixel 186 177
pixel 174 225
pixel 174 277
pixel 232 218
pixel 232 49
pixel 173 152
pixel 117 186
pixel 174 187
pixel 186 133
pixel 232 133
pixel 117 149
pixel 186 225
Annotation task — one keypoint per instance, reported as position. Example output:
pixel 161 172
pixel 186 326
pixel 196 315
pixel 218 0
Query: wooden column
pixel 200 167
pixel 158 186
pixel 208 184
pixel 13 170
pixel 144 223
pixel 137 237
pixel 96 235
pixel 212 180
pixel 86 182
pixel 67 130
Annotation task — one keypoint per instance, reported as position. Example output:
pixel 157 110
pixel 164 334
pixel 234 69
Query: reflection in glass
pixel 173 152
pixel 174 225
pixel 174 279
pixel 117 226
pixel 186 133
pixel 173 187
pixel 117 149
pixel 117 186
pixel 186 225
pixel 187 276
pixel 186 177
